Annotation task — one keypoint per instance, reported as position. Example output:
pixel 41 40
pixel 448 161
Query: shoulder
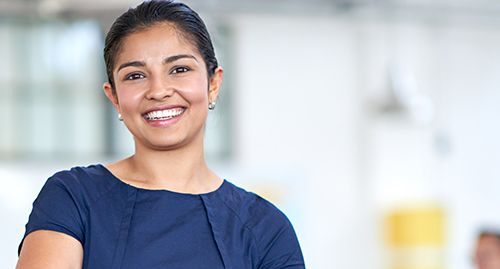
pixel 274 237
pixel 82 181
pixel 78 173
pixel 256 213
pixel 62 205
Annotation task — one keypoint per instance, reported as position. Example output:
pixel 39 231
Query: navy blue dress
pixel 122 226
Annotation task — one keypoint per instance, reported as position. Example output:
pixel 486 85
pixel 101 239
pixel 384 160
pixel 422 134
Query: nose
pixel 159 89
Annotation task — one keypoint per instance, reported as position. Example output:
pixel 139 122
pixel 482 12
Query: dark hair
pixel 149 13
pixel 488 232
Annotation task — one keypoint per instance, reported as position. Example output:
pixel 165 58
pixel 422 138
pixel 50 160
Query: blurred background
pixel 373 124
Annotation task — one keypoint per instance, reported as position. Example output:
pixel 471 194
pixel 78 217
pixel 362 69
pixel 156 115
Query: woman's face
pixel 162 89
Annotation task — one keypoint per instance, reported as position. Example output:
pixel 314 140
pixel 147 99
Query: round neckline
pixel 121 182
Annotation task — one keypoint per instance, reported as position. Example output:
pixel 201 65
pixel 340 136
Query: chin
pixel 166 144
pixel 170 143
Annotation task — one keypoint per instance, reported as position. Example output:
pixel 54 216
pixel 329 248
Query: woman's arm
pixel 50 250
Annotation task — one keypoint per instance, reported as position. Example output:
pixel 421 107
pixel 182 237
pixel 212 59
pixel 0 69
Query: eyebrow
pixel 167 60
pixel 178 57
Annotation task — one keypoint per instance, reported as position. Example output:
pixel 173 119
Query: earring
pixel 120 117
pixel 211 105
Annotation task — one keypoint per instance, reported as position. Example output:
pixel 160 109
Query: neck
pixel 181 170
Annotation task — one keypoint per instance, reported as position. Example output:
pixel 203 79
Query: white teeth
pixel 163 114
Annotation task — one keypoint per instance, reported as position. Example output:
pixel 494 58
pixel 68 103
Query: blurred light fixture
pixel 404 98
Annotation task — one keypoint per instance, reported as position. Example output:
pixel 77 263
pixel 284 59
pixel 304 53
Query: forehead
pixel 158 40
pixel 489 241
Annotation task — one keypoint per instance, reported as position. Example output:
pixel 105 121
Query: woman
pixel 162 207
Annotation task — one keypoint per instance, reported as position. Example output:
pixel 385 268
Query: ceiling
pixel 103 9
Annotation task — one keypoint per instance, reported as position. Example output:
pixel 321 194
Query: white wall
pixel 469 101
pixel 303 94
pixel 297 105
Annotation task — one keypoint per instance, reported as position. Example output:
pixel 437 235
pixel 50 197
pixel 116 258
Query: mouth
pixel 164 114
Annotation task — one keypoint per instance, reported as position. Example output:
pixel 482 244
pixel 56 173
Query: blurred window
pixel 51 100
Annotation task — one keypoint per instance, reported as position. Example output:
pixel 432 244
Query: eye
pixel 134 76
pixel 179 69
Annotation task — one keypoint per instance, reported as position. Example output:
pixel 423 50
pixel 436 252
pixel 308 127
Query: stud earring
pixel 211 105
pixel 120 117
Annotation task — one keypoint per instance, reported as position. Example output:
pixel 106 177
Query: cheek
pixel 195 91
pixel 128 99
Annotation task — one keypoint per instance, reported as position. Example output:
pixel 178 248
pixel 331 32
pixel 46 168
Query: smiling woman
pixel 162 207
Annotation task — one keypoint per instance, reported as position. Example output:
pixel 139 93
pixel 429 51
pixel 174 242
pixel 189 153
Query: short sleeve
pixel 56 208
pixel 280 248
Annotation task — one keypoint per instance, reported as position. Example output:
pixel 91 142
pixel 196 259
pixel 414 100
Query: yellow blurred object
pixel 415 237
pixel 272 192
pixel 416 227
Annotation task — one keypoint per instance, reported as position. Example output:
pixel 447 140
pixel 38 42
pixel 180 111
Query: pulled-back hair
pixel 489 232
pixel 186 21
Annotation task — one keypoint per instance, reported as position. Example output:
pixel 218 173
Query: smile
pixel 165 114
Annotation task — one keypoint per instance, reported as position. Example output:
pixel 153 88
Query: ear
pixel 111 95
pixel 215 84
